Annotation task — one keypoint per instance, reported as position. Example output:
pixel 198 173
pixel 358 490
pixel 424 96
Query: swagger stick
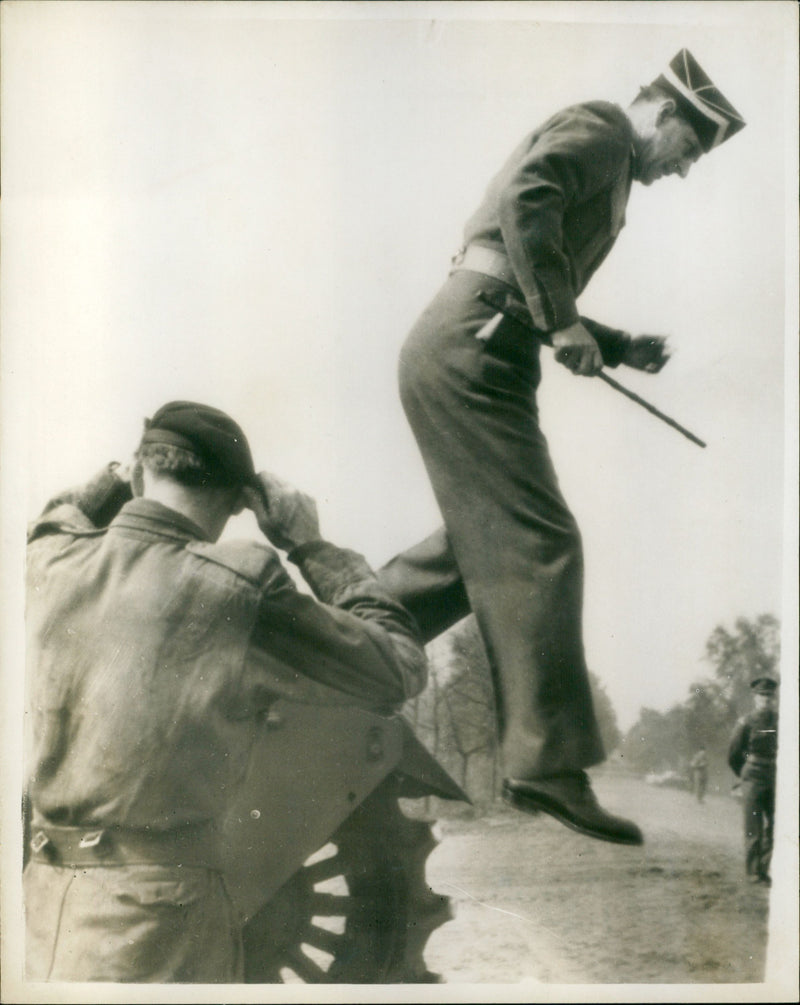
pixel 514 311
pixel 650 408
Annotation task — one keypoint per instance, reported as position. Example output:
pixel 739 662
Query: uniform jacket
pixel 557 205
pixel 753 747
pixel 153 656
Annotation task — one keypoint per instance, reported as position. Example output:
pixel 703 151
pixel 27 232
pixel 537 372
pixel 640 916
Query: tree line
pixel 666 741
pixel 455 715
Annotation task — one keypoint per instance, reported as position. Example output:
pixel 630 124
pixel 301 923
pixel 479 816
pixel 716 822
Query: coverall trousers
pixel 130 923
pixel 510 550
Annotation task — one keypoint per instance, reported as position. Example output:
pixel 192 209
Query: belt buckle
pixel 93 839
pixel 39 842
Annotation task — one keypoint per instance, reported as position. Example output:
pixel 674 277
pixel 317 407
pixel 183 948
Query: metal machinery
pixel 325 868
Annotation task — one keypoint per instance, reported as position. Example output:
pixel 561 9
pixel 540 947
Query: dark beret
pixel 209 433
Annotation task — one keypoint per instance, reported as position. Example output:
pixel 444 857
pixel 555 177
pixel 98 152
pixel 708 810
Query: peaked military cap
pixel 206 431
pixel 764 685
pixel 703 105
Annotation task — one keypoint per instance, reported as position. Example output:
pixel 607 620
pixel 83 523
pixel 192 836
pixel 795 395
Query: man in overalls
pixel 155 651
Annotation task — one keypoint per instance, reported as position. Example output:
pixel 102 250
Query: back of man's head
pixel 650 93
pixel 197 446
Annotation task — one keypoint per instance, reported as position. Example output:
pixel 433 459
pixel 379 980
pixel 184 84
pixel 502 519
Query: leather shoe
pixel 569 798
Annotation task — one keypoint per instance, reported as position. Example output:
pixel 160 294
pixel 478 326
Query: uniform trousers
pixel 758 798
pixel 510 550
pixel 129 923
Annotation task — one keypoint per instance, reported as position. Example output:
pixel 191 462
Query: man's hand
pixel 124 471
pixel 577 350
pixel 287 518
pixel 647 352
pixel 131 475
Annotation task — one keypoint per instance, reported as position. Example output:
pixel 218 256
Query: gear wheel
pixel 359 911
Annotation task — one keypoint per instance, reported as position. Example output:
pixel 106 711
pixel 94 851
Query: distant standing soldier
pixel 699 769
pixel 752 756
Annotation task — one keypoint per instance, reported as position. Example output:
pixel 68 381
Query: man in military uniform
pixel 752 756
pixel 155 651
pixel 510 550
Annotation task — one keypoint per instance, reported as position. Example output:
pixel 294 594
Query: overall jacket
pixel 154 654
pixel 153 658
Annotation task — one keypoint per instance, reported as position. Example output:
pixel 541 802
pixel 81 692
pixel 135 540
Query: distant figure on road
pixel 752 755
pixel 698 767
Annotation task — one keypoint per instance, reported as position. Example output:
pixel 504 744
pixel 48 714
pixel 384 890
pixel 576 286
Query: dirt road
pixel 535 901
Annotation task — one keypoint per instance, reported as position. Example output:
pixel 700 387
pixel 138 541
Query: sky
pixel 249 205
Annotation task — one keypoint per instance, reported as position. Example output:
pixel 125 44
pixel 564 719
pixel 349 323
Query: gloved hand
pixel 287 517
pixel 647 352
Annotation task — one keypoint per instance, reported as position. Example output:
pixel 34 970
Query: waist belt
pixel 763 762
pixel 494 263
pixel 192 846
pixel 489 261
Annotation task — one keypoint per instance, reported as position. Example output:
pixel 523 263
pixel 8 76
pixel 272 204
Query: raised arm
pixel 94 503
pixel 355 637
